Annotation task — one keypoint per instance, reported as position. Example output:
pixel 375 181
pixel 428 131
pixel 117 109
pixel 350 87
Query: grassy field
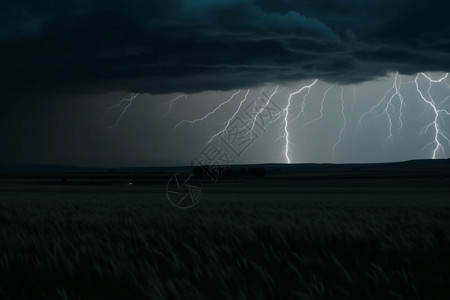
pixel 280 237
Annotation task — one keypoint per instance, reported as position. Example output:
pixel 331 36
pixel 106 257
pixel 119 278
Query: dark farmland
pixel 301 232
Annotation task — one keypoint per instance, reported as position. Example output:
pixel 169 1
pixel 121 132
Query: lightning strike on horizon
pixel 124 109
pixel 191 122
pixel 391 105
pixel 286 115
pixel 221 132
pixel 339 138
pixel 438 133
pixel 172 102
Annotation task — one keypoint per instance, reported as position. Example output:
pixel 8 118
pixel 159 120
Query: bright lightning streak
pixel 402 102
pixel 286 115
pixel 124 108
pixel 191 122
pixel 302 105
pixel 257 112
pixel 438 133
pixel 339 139
pixel 172 102
pixel 221 132
pixel 390 106
pixel 396 87
pixel 433 80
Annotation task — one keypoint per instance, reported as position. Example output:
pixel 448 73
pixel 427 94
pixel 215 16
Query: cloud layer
pixel 194 45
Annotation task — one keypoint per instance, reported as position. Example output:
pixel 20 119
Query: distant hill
pixel 17 169
pixel 423 165
pixel 431 164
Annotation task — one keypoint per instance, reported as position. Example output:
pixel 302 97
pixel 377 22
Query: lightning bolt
pixel 339 139
pixel 286 115
pixel 123 105
pixel 302 105
pixel 389 108
pixel 172 102
pixel 221 132
pixel 437 112
pixel 191 122
pixel 257 112
pixel 322 103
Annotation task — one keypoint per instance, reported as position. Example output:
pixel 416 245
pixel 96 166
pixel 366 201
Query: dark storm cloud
pixel 188 46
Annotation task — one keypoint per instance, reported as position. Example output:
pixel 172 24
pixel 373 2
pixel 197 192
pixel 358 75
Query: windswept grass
pixel 121 242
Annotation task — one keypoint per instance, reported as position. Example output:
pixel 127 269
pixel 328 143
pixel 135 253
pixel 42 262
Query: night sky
pixel 107 83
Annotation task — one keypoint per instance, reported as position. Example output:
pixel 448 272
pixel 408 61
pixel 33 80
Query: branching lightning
pixel 389 108
pixel 322 103
pixel 172 102
pixel 191 122
pixel 257 112
pixel 439 134
pixel 221 132
pixel 302 105
pixel 262 108
pixel 123 105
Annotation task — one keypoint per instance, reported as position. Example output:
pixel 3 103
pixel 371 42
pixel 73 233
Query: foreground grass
pixel 61 242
